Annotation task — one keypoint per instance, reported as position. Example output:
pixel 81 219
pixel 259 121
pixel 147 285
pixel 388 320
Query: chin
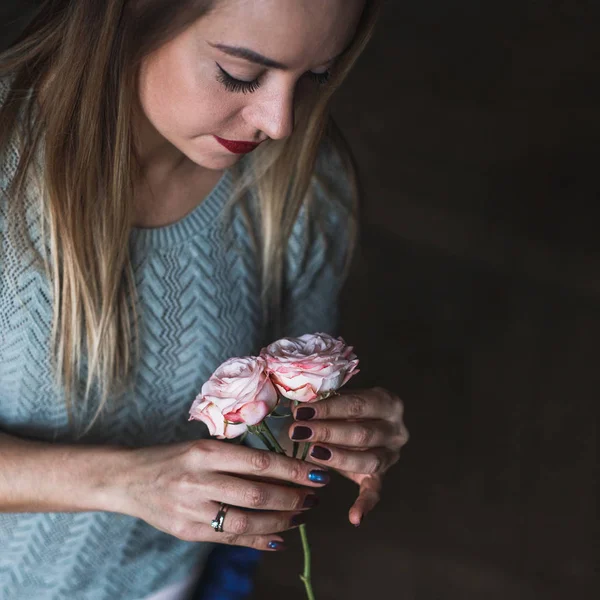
pixel 216 162
pixel 215 159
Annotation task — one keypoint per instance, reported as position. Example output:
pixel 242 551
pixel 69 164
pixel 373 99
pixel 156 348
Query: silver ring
pixel 217 522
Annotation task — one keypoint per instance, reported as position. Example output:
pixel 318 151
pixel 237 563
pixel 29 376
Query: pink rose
pixel 310 367
pixel 238 394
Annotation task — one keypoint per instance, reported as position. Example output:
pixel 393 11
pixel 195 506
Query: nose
pixel 273 115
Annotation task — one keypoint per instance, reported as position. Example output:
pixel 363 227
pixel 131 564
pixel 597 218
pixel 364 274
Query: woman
pixel 142 245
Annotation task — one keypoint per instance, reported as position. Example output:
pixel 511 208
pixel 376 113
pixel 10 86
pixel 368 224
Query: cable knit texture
pixel 198 286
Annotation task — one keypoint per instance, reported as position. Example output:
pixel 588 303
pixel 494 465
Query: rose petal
pixel 254 412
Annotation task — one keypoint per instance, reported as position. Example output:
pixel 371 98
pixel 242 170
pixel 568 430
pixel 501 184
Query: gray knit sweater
pixel 198 288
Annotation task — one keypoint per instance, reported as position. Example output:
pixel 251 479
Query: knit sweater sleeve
pixel 318 251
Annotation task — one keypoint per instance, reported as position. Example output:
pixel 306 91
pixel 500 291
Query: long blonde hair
pixel 85 56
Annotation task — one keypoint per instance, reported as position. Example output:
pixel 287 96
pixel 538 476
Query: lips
pixel 237 147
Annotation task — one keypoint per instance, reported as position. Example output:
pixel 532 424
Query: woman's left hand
pixel 358 433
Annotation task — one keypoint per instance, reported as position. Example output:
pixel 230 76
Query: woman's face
pixel 201 85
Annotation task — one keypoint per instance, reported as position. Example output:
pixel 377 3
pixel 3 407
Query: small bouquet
pixel 244 392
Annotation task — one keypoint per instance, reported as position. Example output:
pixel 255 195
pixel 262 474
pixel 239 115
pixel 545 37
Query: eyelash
pixel 248 87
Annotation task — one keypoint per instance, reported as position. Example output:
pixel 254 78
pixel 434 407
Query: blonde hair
pixel 85 56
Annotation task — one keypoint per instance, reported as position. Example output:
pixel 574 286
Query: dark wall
pixel 477 132
pixel 477 129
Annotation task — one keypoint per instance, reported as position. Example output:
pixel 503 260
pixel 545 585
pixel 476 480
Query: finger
pixel 270 543
pixel 246 522
pixel 263 464
pixel 374 403
pixel 351 434
pixel 259 495
pixel 369 462
pixel 368 498
pixel 198 532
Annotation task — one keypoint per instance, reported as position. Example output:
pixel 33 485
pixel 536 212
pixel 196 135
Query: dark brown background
pixel 476 126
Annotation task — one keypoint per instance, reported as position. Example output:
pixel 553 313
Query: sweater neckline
pixel 191 224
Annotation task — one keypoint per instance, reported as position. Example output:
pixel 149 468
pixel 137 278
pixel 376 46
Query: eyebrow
pixel 255 57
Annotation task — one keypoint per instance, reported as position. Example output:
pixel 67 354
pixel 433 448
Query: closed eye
pixel 320 78
pixel 236 85
pixel 248 87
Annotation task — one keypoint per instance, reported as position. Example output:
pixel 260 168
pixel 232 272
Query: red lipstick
pixel 237 147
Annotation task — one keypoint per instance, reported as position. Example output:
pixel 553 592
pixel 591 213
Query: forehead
pixel 294 32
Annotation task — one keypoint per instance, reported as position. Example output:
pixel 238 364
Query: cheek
pixel 183 101
pixel 207 106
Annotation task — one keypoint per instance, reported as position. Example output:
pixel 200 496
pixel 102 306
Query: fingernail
pixel 319 476
pixel 298 519
pixel 301 433
pixel 276 545
pixel 310 501
pixel 320 453
pixel 305 413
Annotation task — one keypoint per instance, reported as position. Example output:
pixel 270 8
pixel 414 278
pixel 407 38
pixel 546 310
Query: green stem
pixel 296 445
pixel 305 451
pixel 263 430
pixel 256 430
pixel 267 442
pixel 272 438
pixel 305 577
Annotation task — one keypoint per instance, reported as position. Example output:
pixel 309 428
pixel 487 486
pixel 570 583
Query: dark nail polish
pixel 319 476
pixel 305 413
pixel 276 545
pixel 320 453
pixel 298 519
pixel 310 501
pixel 301 433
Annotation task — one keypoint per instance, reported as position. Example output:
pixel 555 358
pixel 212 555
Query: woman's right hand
pixel 177 488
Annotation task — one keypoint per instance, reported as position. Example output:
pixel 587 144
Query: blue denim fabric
pixel 228 574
